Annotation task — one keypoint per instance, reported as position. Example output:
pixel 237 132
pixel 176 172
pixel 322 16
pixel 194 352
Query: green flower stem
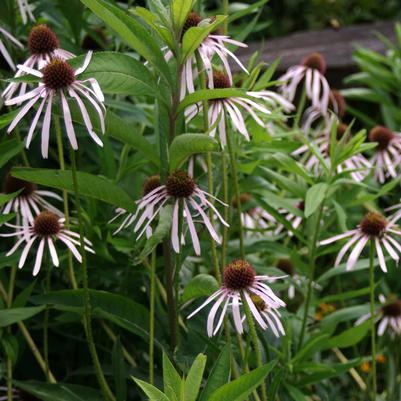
pixel 254 338
pixel 372 316
pixel 226 211
pixel 312 264
pixel 87 302
pixel 152 317
pixel 46 320
pixel 300 108
pixel 9 302
pixel 71 273
pixel 225 12
pixel 237 194
pixel 28 338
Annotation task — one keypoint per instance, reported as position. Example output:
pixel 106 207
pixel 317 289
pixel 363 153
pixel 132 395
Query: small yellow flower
pixel 381 358
pixel 365 367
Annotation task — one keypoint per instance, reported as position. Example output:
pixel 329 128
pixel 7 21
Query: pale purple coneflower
pixel 213 45
pixel 358 166
pixel 30 201
pixel 294 219
pixel 183 191
pixel 317 89
pixel 59 78
pixel 150 184
pixel 3 50
pixel 388 316
pixel 25 10
pixel 47 228
pixel 373 228
pixel 231 106
pixel 43 46
pixel 239 280
pixel 386 158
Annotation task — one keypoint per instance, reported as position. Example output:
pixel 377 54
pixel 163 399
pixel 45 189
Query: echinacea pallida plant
pixel 189 387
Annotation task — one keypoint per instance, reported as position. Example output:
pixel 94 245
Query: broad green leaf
pixel 180 10
pixel 315 343
pixel 186 145
pixel 194 378
pixel 119 371
pixel 171 379
pixel 200 286
pixel 349 337
pixel 208 94
pixel 9 149
pixel 247 10
pixel 59 392
pixel 119 309
pixel 314 197
pixel 330 322
pixel 22 298
pixel 152 392
pixel 162 231
pixel 219 375
pixel 194 36
pixel 239 389
pixel 132 33
pixel 295 394
pixel 4 198
pixel 14 315
pixel 89 185
pixel 119 73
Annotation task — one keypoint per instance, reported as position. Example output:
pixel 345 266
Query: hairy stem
pixel 372 317
pixel 312 264
pixel 152 317
pixel 87 302
pixel 254 338
pixel 46 321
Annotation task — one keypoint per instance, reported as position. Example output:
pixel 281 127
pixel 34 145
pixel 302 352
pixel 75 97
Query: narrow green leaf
pixel 314 197
pixel 4 198
pixel 152 392
pixel 349 337
pixel 180 11
pixel 219 375
pixel 14 315
pixel 194 378
pixel 239 389
pixel 171 379
pixel 9 149
pixel 90 185
pixel 200 286
pixel 186 145
pixel 119 371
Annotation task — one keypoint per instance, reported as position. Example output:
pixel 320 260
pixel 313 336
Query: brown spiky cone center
pixel 373 224
pixel 58 74
pixel 46 224
pixel 42 40
pixel 238 275
pixel 382 135
pixel 180 185
pixel 315 61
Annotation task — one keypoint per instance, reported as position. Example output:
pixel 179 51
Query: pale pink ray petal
pixel 212 314
pixel 390 250
pixel 15 247
pixel 174 227
pixel 345 248
pixel 87 60
pixel 192 229
pixel 71 246
pixel 46 126
pixel 68 121
pixel 380 255
pixel 254 310
pixel 337 237
pixel 53 252
pixel 39 257
pixel 222 315
pixel 22 113
pixel 34 123
pixel 207 302
pixel 356 252
pixel 382 326
pixel 25 251
pixel 237 314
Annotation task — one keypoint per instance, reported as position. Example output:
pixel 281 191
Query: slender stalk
pixel 46 322
pixel 9 361
pixel 29 340
pixel 300 108
pixel 71 273
pixel 254 338
pixel 225 12
pixel 23 152
pixel 226 211
pixel 152 318
pixel 237 194
pixel 87 302
pixel 312 263
pixel 372 317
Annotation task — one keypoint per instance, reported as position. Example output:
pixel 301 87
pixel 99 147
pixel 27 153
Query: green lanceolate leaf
pixel 314 197
pixel 180 10
pixel 186 145
pixel 152 392
pixel 219 375
pixel 4 198
pixel 201 285
pixel 59 392
pixel 208 94
pixel 194 378
pixel 89 185
pixel 15 315
pixel 119 73
pixel 239 389
pixel 132 33
pixel 196 35
pixel 8 150
pixel 119 371
pixel 171 379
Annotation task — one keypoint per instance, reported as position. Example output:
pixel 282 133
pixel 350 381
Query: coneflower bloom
pixel 312 70
pixel 254 219
pixel 231 107
pixel 213 45
pixel 386 158
pixel 388 316
pixel 358 166
pixel 43 46
pixel 25 11
pixel 3 50
pixel 46 229
pixel 30 201
pixel 59 78
pixel 150 184
pixel 182 190
pixel 240 279
pixel 376 228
